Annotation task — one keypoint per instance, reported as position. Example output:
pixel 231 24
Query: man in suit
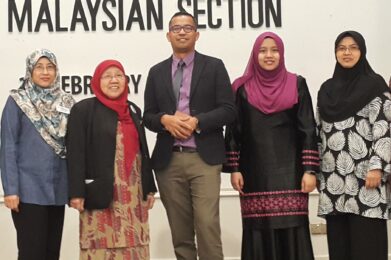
pixel 188 100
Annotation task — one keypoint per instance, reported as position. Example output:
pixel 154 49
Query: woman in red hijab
pixel 272 155
pixel 110 177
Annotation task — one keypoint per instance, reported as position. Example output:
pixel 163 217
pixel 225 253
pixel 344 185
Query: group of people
pixel 93 155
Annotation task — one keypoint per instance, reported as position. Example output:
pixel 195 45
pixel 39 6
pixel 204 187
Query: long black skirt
pixel 277 244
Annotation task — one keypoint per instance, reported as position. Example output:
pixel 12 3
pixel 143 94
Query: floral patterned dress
pixel 120 231
pixel 349 149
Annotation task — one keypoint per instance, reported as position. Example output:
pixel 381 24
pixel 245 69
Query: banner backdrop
pixel 84 32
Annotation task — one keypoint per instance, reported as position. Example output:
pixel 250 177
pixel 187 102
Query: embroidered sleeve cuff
pixel 232 164
pixel 310 160
pixel 310 157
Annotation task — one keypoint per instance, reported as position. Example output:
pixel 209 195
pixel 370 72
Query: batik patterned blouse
pixel 125 223
pixel 349 149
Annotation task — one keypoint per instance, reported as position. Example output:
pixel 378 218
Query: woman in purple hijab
pixel 272 155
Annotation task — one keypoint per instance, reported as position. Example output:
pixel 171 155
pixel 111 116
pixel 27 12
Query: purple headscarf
pixel 268 91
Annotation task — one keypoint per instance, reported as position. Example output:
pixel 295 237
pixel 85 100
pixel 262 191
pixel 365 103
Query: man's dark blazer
pixel 91 144
pixel 211 101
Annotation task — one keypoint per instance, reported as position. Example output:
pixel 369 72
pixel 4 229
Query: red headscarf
pixel 119 105
pixel 268 91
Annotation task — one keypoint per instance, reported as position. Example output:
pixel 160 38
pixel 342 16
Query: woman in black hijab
pixel 354 113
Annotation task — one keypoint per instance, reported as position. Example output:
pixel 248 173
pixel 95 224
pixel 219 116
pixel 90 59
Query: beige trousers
pixel 190 192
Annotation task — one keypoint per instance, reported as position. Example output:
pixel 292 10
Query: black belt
pixel 184 149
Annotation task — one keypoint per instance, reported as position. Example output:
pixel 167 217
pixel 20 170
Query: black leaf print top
pixel 349 149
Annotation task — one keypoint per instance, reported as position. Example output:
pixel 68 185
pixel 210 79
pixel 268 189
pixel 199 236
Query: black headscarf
pixel 350 89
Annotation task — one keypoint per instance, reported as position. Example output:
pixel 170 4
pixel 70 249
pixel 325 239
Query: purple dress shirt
pixel 184 93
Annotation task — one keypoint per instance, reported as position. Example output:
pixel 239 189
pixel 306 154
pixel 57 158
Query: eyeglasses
pixel 111 77
pixel 178 28
pixel 351 49
pixel 49 68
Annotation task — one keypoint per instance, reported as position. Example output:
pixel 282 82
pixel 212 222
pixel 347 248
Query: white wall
pixel 309 28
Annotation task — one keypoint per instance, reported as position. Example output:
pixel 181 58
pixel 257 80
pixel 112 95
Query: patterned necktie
pixel 178 78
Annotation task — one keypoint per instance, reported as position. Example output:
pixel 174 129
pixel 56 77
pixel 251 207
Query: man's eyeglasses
pixel 186 28
pixel 49 68
pixel 118 77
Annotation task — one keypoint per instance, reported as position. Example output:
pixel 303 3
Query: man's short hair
pixel 180 13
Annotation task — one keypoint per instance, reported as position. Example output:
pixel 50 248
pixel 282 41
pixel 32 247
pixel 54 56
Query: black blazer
pixel 211 101
pixel 90 142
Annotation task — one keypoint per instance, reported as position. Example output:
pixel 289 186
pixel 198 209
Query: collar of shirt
pixel 188 59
